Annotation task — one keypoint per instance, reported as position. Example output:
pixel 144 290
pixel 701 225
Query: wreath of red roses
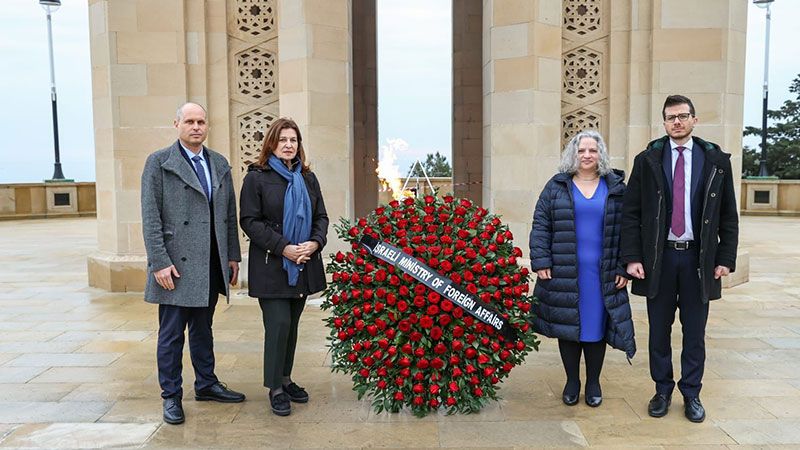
pixel 402 342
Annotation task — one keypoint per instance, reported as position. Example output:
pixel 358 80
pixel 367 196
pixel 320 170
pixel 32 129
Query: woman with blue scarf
pixel 283 214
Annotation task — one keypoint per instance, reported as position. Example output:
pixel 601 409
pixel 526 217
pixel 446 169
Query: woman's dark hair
pixel 674 100
pixel 271 142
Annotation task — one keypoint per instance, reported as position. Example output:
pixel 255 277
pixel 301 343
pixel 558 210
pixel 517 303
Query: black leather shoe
pixel 296 393
pixel 173 411
pixel 593 400
pixel 570 399
pixel 659 405
pixel 280 404
pixel 694 409
pixel 593 395
pixel 218 392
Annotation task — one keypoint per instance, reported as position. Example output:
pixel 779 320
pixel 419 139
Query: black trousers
pixel 172 321
pixel 679 288
pixel 281 317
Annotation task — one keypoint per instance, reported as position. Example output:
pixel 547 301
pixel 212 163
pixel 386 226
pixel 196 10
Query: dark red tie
pixel 678 192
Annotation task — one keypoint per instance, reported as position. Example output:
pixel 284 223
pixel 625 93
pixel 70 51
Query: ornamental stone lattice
pixel 255 74
pixel 253 79
pixel 254 18
pixel 584 91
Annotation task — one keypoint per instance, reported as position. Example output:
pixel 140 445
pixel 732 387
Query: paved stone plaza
pixel 77 369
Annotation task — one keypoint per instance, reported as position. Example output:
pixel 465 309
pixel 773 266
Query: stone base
pixel 129 273
pixel 117 273
pixel 742 274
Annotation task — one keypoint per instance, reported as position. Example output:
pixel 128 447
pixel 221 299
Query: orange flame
pixel 388 172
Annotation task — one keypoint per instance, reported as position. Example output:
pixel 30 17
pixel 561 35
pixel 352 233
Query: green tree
pixel 783 140
pixel 436 165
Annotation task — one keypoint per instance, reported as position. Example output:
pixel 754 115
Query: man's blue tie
pixel 201 174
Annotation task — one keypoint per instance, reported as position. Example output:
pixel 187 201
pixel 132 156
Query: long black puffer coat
pixel 553 245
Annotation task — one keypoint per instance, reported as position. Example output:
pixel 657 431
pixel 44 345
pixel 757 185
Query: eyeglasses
pixel 683 117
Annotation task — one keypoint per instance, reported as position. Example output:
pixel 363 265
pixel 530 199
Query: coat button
pixel 705 221
pixel 713 194
pixel 721 171
pixel 186 222
pixel 183 259
pixel 186 187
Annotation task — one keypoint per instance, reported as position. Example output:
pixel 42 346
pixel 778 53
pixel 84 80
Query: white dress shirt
pixel 688 233
pixel 190 154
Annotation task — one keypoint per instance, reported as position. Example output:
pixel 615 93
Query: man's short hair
pixel 674 100
pixel 179 112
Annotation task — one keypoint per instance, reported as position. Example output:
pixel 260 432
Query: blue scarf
pixel 296 212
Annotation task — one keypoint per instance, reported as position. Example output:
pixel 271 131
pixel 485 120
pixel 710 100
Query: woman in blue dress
pixel 580 290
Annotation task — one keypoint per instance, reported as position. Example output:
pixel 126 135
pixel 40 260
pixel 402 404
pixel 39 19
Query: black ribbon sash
pixel 439 284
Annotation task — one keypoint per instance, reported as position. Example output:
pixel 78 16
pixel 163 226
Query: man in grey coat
pixel 192 242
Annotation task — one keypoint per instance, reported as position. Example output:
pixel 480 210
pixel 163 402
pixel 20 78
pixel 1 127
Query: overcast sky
pixel 414 81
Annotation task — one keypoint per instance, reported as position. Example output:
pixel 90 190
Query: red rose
pixel 454 360
pixel 432 309
pixel 406 348
pixel 398 396
pixel 451 401
pixel 423 363
pixel 478 392
pixel 433 389
pixel 419 301
pixel 402 306
pixel 436 333
pixel 483 359
pixel 418 389
pixel 364 373
pixel 453 386
pixel 470 352
pixel 457 372
pixel 404 326
pixel 381 384
pixel 426 322
pixel 436 363
pixel 415 336
pixel 457 346
pixel 439 348
pixel 404 362
pixel 446 266
pixel 444 319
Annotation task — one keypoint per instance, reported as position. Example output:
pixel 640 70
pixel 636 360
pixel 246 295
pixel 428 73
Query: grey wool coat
pixel 177 229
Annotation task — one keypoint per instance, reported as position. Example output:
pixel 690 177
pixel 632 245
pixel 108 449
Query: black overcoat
pixel 647 208
pixel 553 244
pixel 261 206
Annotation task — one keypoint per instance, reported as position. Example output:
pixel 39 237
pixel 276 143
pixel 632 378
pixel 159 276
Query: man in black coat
pixel 680 231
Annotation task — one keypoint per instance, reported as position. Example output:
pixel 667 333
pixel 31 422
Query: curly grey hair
pixel 569 157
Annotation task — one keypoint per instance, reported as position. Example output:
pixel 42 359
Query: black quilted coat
pixel 553 245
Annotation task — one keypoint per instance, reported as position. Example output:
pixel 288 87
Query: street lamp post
pixel 50 6
pixel 762 166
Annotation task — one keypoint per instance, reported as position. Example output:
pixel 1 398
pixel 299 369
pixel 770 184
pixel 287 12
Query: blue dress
pixel 589 214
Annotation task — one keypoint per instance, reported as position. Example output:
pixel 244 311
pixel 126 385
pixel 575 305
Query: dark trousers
pixel 172 322
pixel 679 288
pixel 281 317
